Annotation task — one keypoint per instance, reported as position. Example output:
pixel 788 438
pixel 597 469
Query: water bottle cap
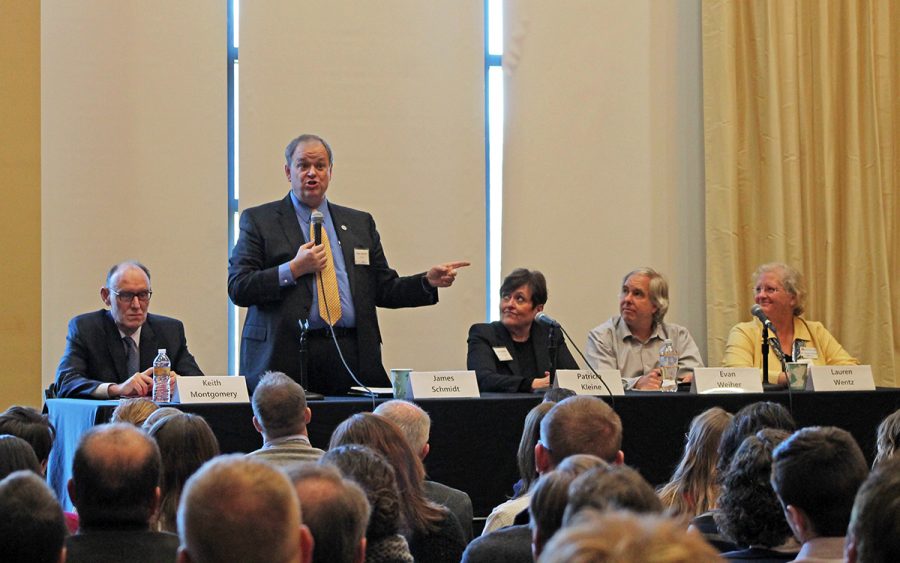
pixel 667 341
pixel 161 351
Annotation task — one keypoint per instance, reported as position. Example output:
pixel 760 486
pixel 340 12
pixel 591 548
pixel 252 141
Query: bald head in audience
pixel 239 509
pixel 32 529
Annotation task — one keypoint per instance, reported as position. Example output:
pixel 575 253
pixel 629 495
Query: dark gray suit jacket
pixel 494 375
pixel 121 546
pixel 270 236
pixel 458 502
pixel 95 354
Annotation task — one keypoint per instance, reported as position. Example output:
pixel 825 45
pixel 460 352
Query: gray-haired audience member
pixel 33 427
pixel 816 474
pixel 115 488
pixel 32 529
pixel 335 510
pixel 280 414
pixel 874 532
pixel 157 415
pixel 16 454
pixel 237 508
pixel 384 542
pixel 611 488
pixel 625 537
pixel 416 427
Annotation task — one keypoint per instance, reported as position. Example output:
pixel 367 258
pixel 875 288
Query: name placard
pixel 442 384
pixel 211 389
pixel 840 378
pixel 584 382
pixel 727 380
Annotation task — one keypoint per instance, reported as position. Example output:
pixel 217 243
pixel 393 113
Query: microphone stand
pixel 553 350
pixel 304 363
pixel 765 354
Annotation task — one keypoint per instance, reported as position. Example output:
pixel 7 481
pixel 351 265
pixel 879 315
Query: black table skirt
pixel 474 441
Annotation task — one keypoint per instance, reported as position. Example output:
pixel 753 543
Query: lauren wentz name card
pixel 211 389
pixel 840 378
pixel 727 380
pixel 442 384
pixel 586 383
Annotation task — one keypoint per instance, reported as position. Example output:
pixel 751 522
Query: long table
pixel 474 441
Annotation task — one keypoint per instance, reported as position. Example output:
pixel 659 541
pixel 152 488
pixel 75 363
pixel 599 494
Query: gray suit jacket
pixel 458 502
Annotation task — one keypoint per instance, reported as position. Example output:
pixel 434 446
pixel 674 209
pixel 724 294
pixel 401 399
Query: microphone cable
pixel 612 398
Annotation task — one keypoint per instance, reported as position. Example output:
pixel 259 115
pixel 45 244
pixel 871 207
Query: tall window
pixel 494 149
pixel 234 6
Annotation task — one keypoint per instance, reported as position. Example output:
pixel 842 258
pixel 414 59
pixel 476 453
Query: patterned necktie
pixel 131 356
pixel 326 283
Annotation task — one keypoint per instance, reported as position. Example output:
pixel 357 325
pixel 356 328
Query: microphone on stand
pixel 546 320
pixel 316 218
pixel 757 312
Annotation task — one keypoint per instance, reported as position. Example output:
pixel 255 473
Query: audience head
pixel 693 488
pixel 531 433
pixel 134 411
pixel 579 425
pixel 32 529
pixel 32 426
pixel 376 477
pixel 15 455
pixel 816 473
pixel 550 495
pixel 115 477
pixel 616 487
pixel 412 421
pixel 384 437
pixel 887 437
pixel 748 421
pixel 157 415
pixel 749 512
pixel 874 532
pixel 185 443
pixel 624 537
pixel 335 510
pixel 279 406
pixel 237 508
pixel 557 394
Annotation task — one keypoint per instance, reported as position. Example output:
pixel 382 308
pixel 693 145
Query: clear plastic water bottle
pixel 668 366
pixel 162 369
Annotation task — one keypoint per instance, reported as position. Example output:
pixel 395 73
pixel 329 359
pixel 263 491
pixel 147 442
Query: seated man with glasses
pixel 109 353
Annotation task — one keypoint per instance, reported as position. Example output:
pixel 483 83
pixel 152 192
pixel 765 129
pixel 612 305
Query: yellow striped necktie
pixel 326 283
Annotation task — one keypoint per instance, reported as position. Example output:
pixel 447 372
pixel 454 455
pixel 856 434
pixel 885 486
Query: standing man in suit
pixel 109 353
pixel 282 276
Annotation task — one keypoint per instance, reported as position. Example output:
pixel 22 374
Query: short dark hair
pixel 616 487
pixel 279 404
pixel 120 265
pixel 30 425
pixel 307 138
pixel 557 394
pixel 875 520
pixel 16 454
pixel 582 425
pixel 115 473
pixel 820 469
pixel 32 529
pixel 532 278
pixel 336 513
pixel 748 421
pixel 377 478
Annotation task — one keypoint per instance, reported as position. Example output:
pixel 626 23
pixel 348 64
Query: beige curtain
pixel 801 125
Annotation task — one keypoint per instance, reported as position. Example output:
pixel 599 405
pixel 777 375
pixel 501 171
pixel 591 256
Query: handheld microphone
pixel 543 319
pixel 316 218
pixel 757 312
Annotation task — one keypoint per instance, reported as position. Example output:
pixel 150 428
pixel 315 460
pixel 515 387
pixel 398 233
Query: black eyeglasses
pixel 128 296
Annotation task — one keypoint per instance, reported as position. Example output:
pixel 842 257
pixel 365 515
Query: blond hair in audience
pixel 134 411
pixel 623 537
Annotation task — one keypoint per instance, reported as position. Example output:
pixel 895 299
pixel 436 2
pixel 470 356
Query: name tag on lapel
pixel 361 256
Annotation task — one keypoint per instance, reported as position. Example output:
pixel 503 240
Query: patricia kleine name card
pixel 727 380
pixel 584 382
pixel 840 378
pixel 211 389
pixel 442 385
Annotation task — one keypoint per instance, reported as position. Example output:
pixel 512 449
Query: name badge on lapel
pixel 503 354
pixel 361 256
